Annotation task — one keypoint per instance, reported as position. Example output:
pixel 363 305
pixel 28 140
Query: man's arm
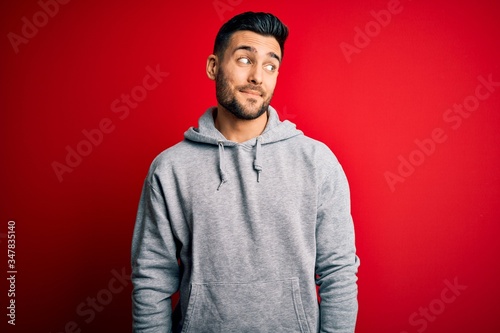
pixel 155 271
pixel 336 260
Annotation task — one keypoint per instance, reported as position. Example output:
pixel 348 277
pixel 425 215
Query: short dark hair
pixel 265 24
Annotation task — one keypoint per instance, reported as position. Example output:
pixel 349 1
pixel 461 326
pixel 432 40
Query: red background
pixel 439 225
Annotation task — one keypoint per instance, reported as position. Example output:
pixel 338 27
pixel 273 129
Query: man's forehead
pixel 261 44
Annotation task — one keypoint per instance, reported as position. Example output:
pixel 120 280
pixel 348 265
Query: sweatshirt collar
pixel 275 130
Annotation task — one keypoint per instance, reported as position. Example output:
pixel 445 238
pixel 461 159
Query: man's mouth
pixel 251 92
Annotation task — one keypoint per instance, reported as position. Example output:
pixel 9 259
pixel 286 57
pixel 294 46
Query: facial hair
pixel 227 98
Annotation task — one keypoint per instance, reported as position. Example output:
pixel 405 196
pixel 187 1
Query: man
pixel 246 215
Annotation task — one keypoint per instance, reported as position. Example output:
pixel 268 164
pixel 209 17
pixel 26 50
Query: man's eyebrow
pixel 253 50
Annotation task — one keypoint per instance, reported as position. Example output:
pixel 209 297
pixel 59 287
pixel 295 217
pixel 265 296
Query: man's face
pixel 247 74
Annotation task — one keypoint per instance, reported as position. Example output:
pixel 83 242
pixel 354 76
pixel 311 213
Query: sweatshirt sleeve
pixel 155 270
pixel 336 260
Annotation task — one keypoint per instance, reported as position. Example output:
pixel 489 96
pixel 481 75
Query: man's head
pixel 264 24
pixel 247 55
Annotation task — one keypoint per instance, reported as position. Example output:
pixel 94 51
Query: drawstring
pixel 256 162
pixel 222 171
pixel 257 166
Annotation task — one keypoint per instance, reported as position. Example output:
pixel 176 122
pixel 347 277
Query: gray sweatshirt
pixel 245 231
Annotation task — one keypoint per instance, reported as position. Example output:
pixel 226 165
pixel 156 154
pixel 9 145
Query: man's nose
pixel 255 75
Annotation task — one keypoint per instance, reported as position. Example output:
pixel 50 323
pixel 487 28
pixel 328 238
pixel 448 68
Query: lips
pixel 251 92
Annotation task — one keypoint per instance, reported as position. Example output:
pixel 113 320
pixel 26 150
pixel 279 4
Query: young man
pixel 246 215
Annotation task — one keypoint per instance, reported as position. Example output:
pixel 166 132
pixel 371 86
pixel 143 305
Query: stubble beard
pixel 227 99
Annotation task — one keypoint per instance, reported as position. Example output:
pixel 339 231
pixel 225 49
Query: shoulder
pixel 314 149
pixel 177 154
pixel 170 153
pixel 321 160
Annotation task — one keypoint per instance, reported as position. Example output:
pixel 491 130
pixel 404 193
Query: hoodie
pixel 245 232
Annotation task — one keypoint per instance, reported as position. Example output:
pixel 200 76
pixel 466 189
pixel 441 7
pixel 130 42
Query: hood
pixel 275 130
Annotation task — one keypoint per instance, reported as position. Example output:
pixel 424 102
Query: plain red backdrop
pixel 414 238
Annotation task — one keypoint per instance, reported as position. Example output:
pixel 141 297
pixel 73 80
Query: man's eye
pixel 244 60
pixel 270 67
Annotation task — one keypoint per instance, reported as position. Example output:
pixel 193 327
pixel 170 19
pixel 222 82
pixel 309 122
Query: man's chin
pixel 249 110
pixel 253 113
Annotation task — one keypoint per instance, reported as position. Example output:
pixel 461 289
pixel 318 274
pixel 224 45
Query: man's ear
pixel 212 66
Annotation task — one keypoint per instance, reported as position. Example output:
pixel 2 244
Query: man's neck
pixel 238 130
